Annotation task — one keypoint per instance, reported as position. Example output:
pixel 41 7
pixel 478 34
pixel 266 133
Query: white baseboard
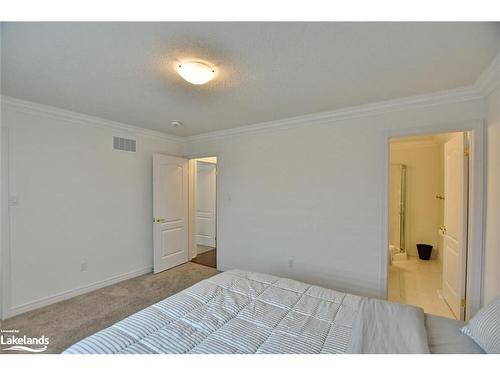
pixel 205 241
pixel 204 250
pixel 25 307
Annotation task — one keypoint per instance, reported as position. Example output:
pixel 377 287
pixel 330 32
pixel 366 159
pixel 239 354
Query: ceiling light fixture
pixel 196 73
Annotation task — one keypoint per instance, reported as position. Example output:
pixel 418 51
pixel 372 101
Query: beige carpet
pixel 67 322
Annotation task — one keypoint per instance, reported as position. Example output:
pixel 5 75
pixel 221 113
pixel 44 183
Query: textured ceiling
pixel 265 71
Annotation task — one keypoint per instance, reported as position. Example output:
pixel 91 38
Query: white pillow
pixel 484 328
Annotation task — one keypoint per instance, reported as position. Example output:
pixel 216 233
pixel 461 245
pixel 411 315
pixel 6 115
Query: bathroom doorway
pixel 428 222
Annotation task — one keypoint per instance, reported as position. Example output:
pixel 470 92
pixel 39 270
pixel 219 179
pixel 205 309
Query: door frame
pixel 192 204
pixel 5 253
pixel 477 196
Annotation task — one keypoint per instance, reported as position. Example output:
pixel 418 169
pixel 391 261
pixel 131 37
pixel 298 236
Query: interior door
pixel 206 204
pixel 395 206
pixel 170 211
pixel 455 224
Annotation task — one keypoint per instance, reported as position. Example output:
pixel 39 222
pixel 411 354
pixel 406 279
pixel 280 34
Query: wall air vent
pixel 124 144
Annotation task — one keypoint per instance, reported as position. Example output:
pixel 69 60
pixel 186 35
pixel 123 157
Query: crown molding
pixel 489 79
pixel 443 97
pixel 486 83
pixel 62 114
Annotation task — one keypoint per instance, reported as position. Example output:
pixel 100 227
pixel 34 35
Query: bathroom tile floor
pixel 418 282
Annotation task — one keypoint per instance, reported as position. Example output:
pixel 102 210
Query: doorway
pixel 428 222
pixel 184 211
pixel 204 210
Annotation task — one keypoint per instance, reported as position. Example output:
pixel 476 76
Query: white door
pixel 170 211
pixel 395 206
pixel 206 203
pixel 455 222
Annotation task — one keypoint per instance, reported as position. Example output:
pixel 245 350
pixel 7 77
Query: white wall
pixel 78 201
pixel 1 192
pixel 303 202
pixel 424 180
pixel 308 202
pixel 492 258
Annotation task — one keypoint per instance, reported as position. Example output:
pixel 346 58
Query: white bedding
pixel 445 337
pixel 383 327
pixel 245 312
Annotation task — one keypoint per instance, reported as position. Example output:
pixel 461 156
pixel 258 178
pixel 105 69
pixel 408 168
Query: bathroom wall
pixel 423 158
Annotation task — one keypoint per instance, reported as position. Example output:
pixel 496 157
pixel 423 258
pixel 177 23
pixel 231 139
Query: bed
pixel 246 312
pixel 444 337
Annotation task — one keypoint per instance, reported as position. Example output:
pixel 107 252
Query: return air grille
pixel 124 144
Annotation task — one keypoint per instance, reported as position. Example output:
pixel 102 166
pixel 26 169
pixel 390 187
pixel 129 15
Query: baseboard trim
pixel 205 241
pixel 210 248
pixel 45 301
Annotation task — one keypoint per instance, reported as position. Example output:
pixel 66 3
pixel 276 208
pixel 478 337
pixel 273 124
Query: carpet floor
pixel 67 322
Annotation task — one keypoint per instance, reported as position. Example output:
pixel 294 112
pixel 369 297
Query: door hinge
pixel 466 152
pixel 462 302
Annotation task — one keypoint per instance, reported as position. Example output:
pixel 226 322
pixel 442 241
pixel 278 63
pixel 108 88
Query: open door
pixel 206 204
pixel 170 210
pixel 455 223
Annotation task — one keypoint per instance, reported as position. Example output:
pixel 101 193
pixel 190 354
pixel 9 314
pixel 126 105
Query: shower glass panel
pixel 397 181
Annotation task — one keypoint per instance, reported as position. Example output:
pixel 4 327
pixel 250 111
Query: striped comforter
pixel 235 312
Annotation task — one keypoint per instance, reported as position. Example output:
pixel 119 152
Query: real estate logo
pixel 11 341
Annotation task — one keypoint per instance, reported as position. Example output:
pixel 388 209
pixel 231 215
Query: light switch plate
pixel 13 200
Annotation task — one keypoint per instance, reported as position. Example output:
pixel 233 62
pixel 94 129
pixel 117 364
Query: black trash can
pixel 424 251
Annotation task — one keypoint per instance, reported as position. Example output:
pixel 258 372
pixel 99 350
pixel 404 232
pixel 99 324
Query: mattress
pixel 245 312
pixel 235 312
pixel 444 337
